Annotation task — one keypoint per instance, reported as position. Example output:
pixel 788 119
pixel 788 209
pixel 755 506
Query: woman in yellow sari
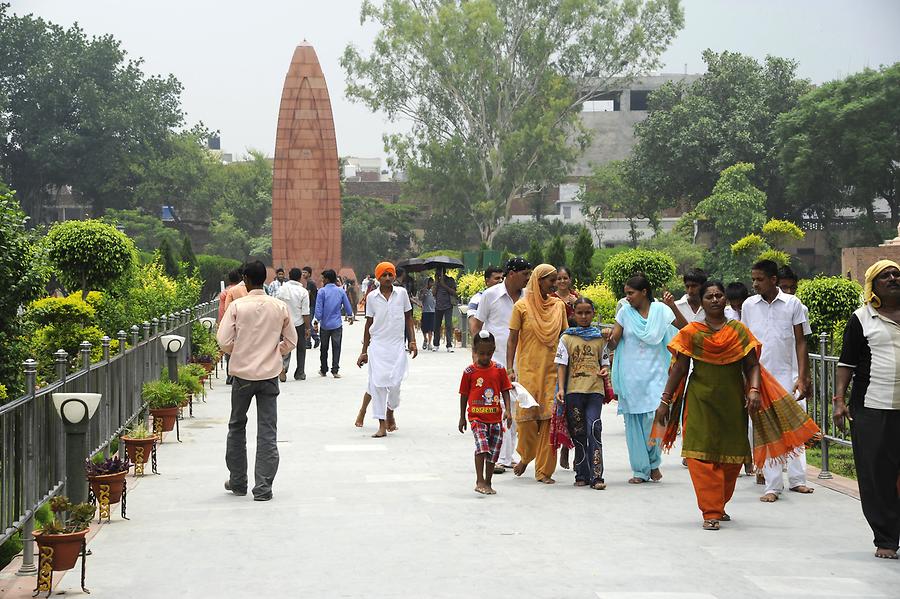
pixel 726 383
pixel 538 319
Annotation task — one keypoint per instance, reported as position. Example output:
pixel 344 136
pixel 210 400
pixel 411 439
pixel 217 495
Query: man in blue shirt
pixel 329 301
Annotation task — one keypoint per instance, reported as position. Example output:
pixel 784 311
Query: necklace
pixel 713 327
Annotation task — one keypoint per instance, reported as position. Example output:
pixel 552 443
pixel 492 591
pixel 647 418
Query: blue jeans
pixel 585 427
pixel 332 336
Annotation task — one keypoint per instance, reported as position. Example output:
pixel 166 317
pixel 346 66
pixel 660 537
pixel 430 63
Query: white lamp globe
pixel 76 407
pixel 172 343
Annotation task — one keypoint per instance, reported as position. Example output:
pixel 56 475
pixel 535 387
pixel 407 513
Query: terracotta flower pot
pixel 167 416
pixel 208 366
pixel 66 548
pixel 146 446
pixel 116 484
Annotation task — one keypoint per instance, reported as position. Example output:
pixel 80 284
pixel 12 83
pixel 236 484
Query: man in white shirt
pixel 274 286
pixel 388 317
pixel 294 294
pixel 492 276
pixel 493 315
pixel 777 320
pixel 688 308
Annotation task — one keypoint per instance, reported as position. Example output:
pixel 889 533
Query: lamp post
pixel 76 410
pixel 172 344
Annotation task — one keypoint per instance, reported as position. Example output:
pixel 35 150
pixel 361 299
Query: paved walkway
pixel 359 517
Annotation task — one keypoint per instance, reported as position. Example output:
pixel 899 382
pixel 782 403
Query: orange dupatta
pixel 781 427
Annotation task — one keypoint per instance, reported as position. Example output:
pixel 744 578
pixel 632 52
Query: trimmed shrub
pixel 831 300
pixel 214 269
pixel 582 257
pixel 658 267
pixel 69 311
pixel 89 254
pixel 469 284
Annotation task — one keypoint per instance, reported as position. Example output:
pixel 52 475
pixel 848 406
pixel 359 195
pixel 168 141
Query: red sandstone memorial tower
pixel 306 194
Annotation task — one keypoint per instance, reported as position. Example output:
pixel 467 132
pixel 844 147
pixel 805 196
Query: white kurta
pixel 388 360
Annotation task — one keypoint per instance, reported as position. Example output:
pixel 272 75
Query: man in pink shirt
pixel 257 330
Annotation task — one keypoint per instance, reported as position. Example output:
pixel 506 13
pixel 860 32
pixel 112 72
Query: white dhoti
pixel 796 465
pixel 508 448
pixel 388 367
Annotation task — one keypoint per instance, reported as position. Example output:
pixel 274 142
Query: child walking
pixel 483 384
pixel 582 365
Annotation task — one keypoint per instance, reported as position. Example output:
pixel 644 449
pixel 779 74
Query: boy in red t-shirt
pixel 482 385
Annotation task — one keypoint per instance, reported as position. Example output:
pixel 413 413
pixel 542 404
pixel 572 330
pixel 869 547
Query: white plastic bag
pixel 521 395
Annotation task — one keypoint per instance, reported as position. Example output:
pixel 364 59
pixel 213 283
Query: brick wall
pixel 855 261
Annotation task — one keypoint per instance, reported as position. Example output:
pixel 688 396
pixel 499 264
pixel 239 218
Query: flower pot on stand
pixel 109 489
pixel 164 419
pixel 140 451
pixel 57 553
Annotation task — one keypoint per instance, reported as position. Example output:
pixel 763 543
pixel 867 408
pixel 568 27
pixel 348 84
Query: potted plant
pixel 107 480
pixel 163 397
pixel 140 444
pixel 61 541
pixel 192 379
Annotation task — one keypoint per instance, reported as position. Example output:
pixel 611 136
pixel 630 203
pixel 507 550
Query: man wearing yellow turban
pixel 870 356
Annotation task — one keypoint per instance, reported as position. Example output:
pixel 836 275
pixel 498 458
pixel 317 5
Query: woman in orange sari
pixel 726 383
pixel 537 321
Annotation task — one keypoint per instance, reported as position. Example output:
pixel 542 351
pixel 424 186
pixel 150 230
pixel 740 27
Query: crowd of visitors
pixel 724 369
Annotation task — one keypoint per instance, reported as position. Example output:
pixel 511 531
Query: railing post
pixel 824 472
pixel 85 351
pixel 62 373
pixel 106 411
pixel 123 380
pixel 28 567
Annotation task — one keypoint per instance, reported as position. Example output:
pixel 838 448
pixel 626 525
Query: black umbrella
pixel 443 262
pixel 413 265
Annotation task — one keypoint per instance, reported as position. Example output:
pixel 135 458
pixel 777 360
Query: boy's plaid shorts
pixel 488 438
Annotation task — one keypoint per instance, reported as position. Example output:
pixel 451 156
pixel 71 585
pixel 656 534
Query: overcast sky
pixel 232 56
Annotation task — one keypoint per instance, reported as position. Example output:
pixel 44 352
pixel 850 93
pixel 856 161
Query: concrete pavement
pixel 354 516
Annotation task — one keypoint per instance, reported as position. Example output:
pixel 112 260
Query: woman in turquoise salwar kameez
pixel 640 338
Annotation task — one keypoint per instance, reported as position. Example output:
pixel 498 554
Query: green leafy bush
pixel 212 270
pixel 535 254
pixel 556 252
pixel 582 256
pixel 516 238
pixel 659 268
pixel 830 300
pixel 59 311
pixel 163 394
pixel 89 254
pixel 604 300
pixel 469 284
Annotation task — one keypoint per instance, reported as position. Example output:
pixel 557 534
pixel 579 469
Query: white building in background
pixel 358 169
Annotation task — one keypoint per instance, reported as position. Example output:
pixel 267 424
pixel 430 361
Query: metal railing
pixel 32 446
pixel 823 369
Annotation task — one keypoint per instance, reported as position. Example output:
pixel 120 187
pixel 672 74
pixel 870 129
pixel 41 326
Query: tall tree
pixel 840 146
pixel 535 253
pixel 695 131
pixel 582 258
pixel 167 259
pixel 494 87
pixel 556 252
pixel 76 111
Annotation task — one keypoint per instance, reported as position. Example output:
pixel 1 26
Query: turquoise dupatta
pixel 641 364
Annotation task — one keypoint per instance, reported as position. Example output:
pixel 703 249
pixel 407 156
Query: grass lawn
pixel 840 460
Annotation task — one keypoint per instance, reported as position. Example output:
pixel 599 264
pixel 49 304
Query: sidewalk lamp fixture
pixel 172 343
pixel 76 410
pixel 209 323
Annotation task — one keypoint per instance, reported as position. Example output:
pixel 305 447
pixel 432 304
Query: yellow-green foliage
pixel 779 231
pixel 777 256
pixel 749 244
pixel 3 394
pixel 70 310
pixel 469 284
pixel 604 300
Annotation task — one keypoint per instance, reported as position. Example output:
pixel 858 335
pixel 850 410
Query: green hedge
pixel 658 267
pixel 831 301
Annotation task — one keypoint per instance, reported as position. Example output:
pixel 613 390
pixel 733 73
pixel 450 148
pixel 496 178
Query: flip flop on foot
pixel 491 491
pixel 546 480
pixel 519 469
pixel 710 525
pixel 598 486
pixel 379 435
pixel 482 490
pixel 499 469
pixel 635 481
pixel 802 489
pixel 725 518
pixel 760 478
pixel 769 498
pixel 655 475
pixel 580 483
pixel 882 553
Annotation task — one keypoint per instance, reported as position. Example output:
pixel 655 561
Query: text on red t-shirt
pixel 484 389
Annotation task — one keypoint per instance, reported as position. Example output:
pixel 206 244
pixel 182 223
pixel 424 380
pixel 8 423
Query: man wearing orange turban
pixel 388 313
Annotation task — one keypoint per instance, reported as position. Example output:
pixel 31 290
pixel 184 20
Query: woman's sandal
pixel 710 525
pixel 725 518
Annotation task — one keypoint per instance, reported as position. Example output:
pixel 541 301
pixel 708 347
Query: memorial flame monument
pixel 306 194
